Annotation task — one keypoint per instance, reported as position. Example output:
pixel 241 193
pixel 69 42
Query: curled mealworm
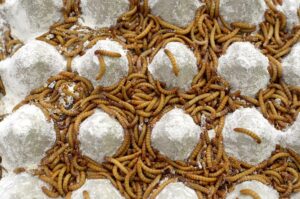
pixel 146 31
pixel 249 133
pixel 56 154
pixel 250 192
pixel 173 61
pixel 49 193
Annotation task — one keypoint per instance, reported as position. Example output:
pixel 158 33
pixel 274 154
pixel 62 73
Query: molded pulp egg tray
pixel 143 99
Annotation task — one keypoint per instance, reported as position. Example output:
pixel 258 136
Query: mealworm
pixel 196 99
pixel 208 156
pixel 161 187
pixel 198 187
pixel 118 164
pixel 148 143
pixel 212 96
pixel 243 25
pixel 141 174
pixel 249 133
pixel 208 108
pixel 173 62
pixel 240 175
pixel 80 118
pixel 200 178
pixel 129 13
pixel 102 69
pixel 146 31
pixel 277 156
pixel 276 33
pixel 82 179
pixel 164 91
pixel 250 192
pixel 160 105
pixel 151 187
pixel 66 182
pixel 86 195
pixel 76 165
pixel 49 193
pixel 127 185
pixel 54 155
pixel 49 181
pixel 60 181
pixel 107 53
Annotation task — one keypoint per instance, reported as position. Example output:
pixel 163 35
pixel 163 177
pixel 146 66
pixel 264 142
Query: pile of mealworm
pixel 138 100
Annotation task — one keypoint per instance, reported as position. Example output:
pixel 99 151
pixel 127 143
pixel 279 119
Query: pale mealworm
pixel 173 62
pixel 249 133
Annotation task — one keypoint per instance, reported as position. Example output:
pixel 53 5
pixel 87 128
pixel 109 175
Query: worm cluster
pixel 140 101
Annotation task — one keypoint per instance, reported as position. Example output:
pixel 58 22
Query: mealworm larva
pixel 196 150
pixel 86 195
pixel 249 133
pixel 277 156
pixel 107 53
pixel 161 187
pixel 196 99
pixel 294 173
pixel 228 36
pixel 141 174
pixel 212 96
pixel 198 187
pixel 175 28
pixel 66 182
pixel 19 170
pixel 128 157
pixel 243 25
pixel 160 105
pixel 54 155
pixel 208 156
pixel 240 175
pixel 164 91
pixel 118 164
pixel 76 165
pixel 127 184
pixel 102 69
pixel 271 5
pixel 200 178
pixel 145 31
pixel 208 108
pixel 261 103
pixel 250 192
pixel 85 81
pixel 49 181
pixel 82 179
pixel 276 33
pixel 75 51
pixel 49 193
pixel 151 187
pixel 80 118
pixel 60 181
pixel 129 13
pixel 212 39
pixel 173 62
pixel 151 170
pixel 286 89
pixel 148 143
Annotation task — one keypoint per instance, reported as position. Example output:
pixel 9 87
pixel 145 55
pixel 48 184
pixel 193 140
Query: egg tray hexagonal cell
pixel 149 99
